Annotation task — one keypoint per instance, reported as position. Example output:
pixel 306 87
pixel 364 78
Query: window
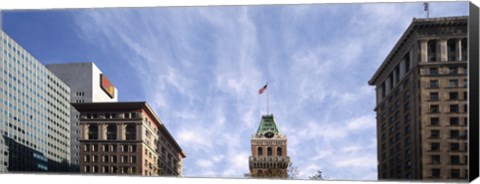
pixel 451 48
pixel 434 146
pixel 454 134
pixel 433 71
pixel 111 132
pixel 93 132
pixel 269 151
pixel 432 50
pixel 454 121
pixel 435 172
pixel 454 159
pixel 465 95
pixel 434 109
pixel 434 96
pixel 452 70
pixel 279 151
pixel 435 159
pixel 455 173
pixel 454 108
pixel 434 121
pixel 434 134
pixel 453 83
pixel 454 147
pixel 453 95
pixel 260 151
pixel 465 83
pixel 130 132
pixel 433 83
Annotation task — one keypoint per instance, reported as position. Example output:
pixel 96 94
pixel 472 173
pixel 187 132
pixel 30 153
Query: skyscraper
pixel 87 84
pixel 34 113
pixel 269 151
pixel 421 103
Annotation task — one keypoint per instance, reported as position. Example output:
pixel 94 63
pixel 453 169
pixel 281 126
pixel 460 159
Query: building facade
pixel 126 138
pixel 269 151
pixel 421 103
pixel 87 84
pixel 34 113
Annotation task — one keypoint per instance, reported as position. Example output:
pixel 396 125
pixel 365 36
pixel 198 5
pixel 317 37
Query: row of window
pixel 453 147
pixel 111 133
pixel 110 159
pixel 456 50
pixel 453 134
pixel 110 169
pixel 269 151
pixel 453 121
pixel 453 108
pixel 110 148
pixel 435 96
pixel 453 173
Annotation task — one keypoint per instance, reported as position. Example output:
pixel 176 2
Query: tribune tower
pixel 269 151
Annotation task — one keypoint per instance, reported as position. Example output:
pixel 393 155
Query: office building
pixel 269 151
pixel 421 103
pixel 34 113
pixel 87 84
pixel 126 138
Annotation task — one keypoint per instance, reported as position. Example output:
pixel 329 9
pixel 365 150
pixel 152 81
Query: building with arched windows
pixel 269 151
pixel 126 138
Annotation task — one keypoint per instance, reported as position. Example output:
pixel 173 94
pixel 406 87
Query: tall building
pixel 126 138
pixel 269 151
pixel 34 113
pixel 87 84
pixel 421 103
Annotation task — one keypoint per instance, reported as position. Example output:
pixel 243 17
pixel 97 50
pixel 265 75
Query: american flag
pixel 262 89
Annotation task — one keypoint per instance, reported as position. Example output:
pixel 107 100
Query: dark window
pixel 452 70
pixel 464 49
pixel 453 83
pixel 451 48
pixel 111 132
pixel 434 96
pixel 269 151
pixel 407 61
pixel 434 109
pixel 435 159
pixel 453 95
pixel 434 146
pixel 435 172
pixel 454 159
pixel 455 173
pixel 433 71
pixel 454 147
pixel 93 132
pixel 454 108
pixel 434 134
pixel 130 132
pixel 465 95
pixel 454 121
pixel 454 134
pixel 279 151
pixel 433 83
pixel 260 151
pixel 432 50
pixel 434 121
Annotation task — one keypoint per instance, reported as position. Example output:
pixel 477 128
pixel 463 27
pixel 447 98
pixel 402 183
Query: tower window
pixel 260 151
pixel 93 132
pixel 279 151
pixel 432 50
pixel 269 151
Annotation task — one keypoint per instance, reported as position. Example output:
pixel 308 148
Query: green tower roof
pixel 267 125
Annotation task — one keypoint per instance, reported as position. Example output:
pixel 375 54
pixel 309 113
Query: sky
pixel 200 68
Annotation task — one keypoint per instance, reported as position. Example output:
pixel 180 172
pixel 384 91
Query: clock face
pixel 269 134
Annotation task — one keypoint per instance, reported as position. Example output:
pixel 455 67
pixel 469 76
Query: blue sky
pixel 200 68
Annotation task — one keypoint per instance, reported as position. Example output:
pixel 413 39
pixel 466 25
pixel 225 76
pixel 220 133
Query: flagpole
pixel 267 100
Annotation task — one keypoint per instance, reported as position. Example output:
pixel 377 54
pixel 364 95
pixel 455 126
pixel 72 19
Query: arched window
pixel 130 132
pixel 112 132
pixel 279 151
pixel 451 49
pixel 260 151
pixel 93 132
pixel 432 50
pixel 269 151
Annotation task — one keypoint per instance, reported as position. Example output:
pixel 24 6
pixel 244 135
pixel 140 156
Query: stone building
pixel 126 138
pixel 421 103
pixel 269 151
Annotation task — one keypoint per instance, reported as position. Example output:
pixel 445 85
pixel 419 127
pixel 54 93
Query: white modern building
pixel 87 84
pixel 34 113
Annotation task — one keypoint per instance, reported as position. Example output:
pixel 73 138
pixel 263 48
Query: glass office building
pixel 34 113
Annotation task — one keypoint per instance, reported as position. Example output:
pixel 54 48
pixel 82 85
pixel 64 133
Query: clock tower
pixel 269 151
